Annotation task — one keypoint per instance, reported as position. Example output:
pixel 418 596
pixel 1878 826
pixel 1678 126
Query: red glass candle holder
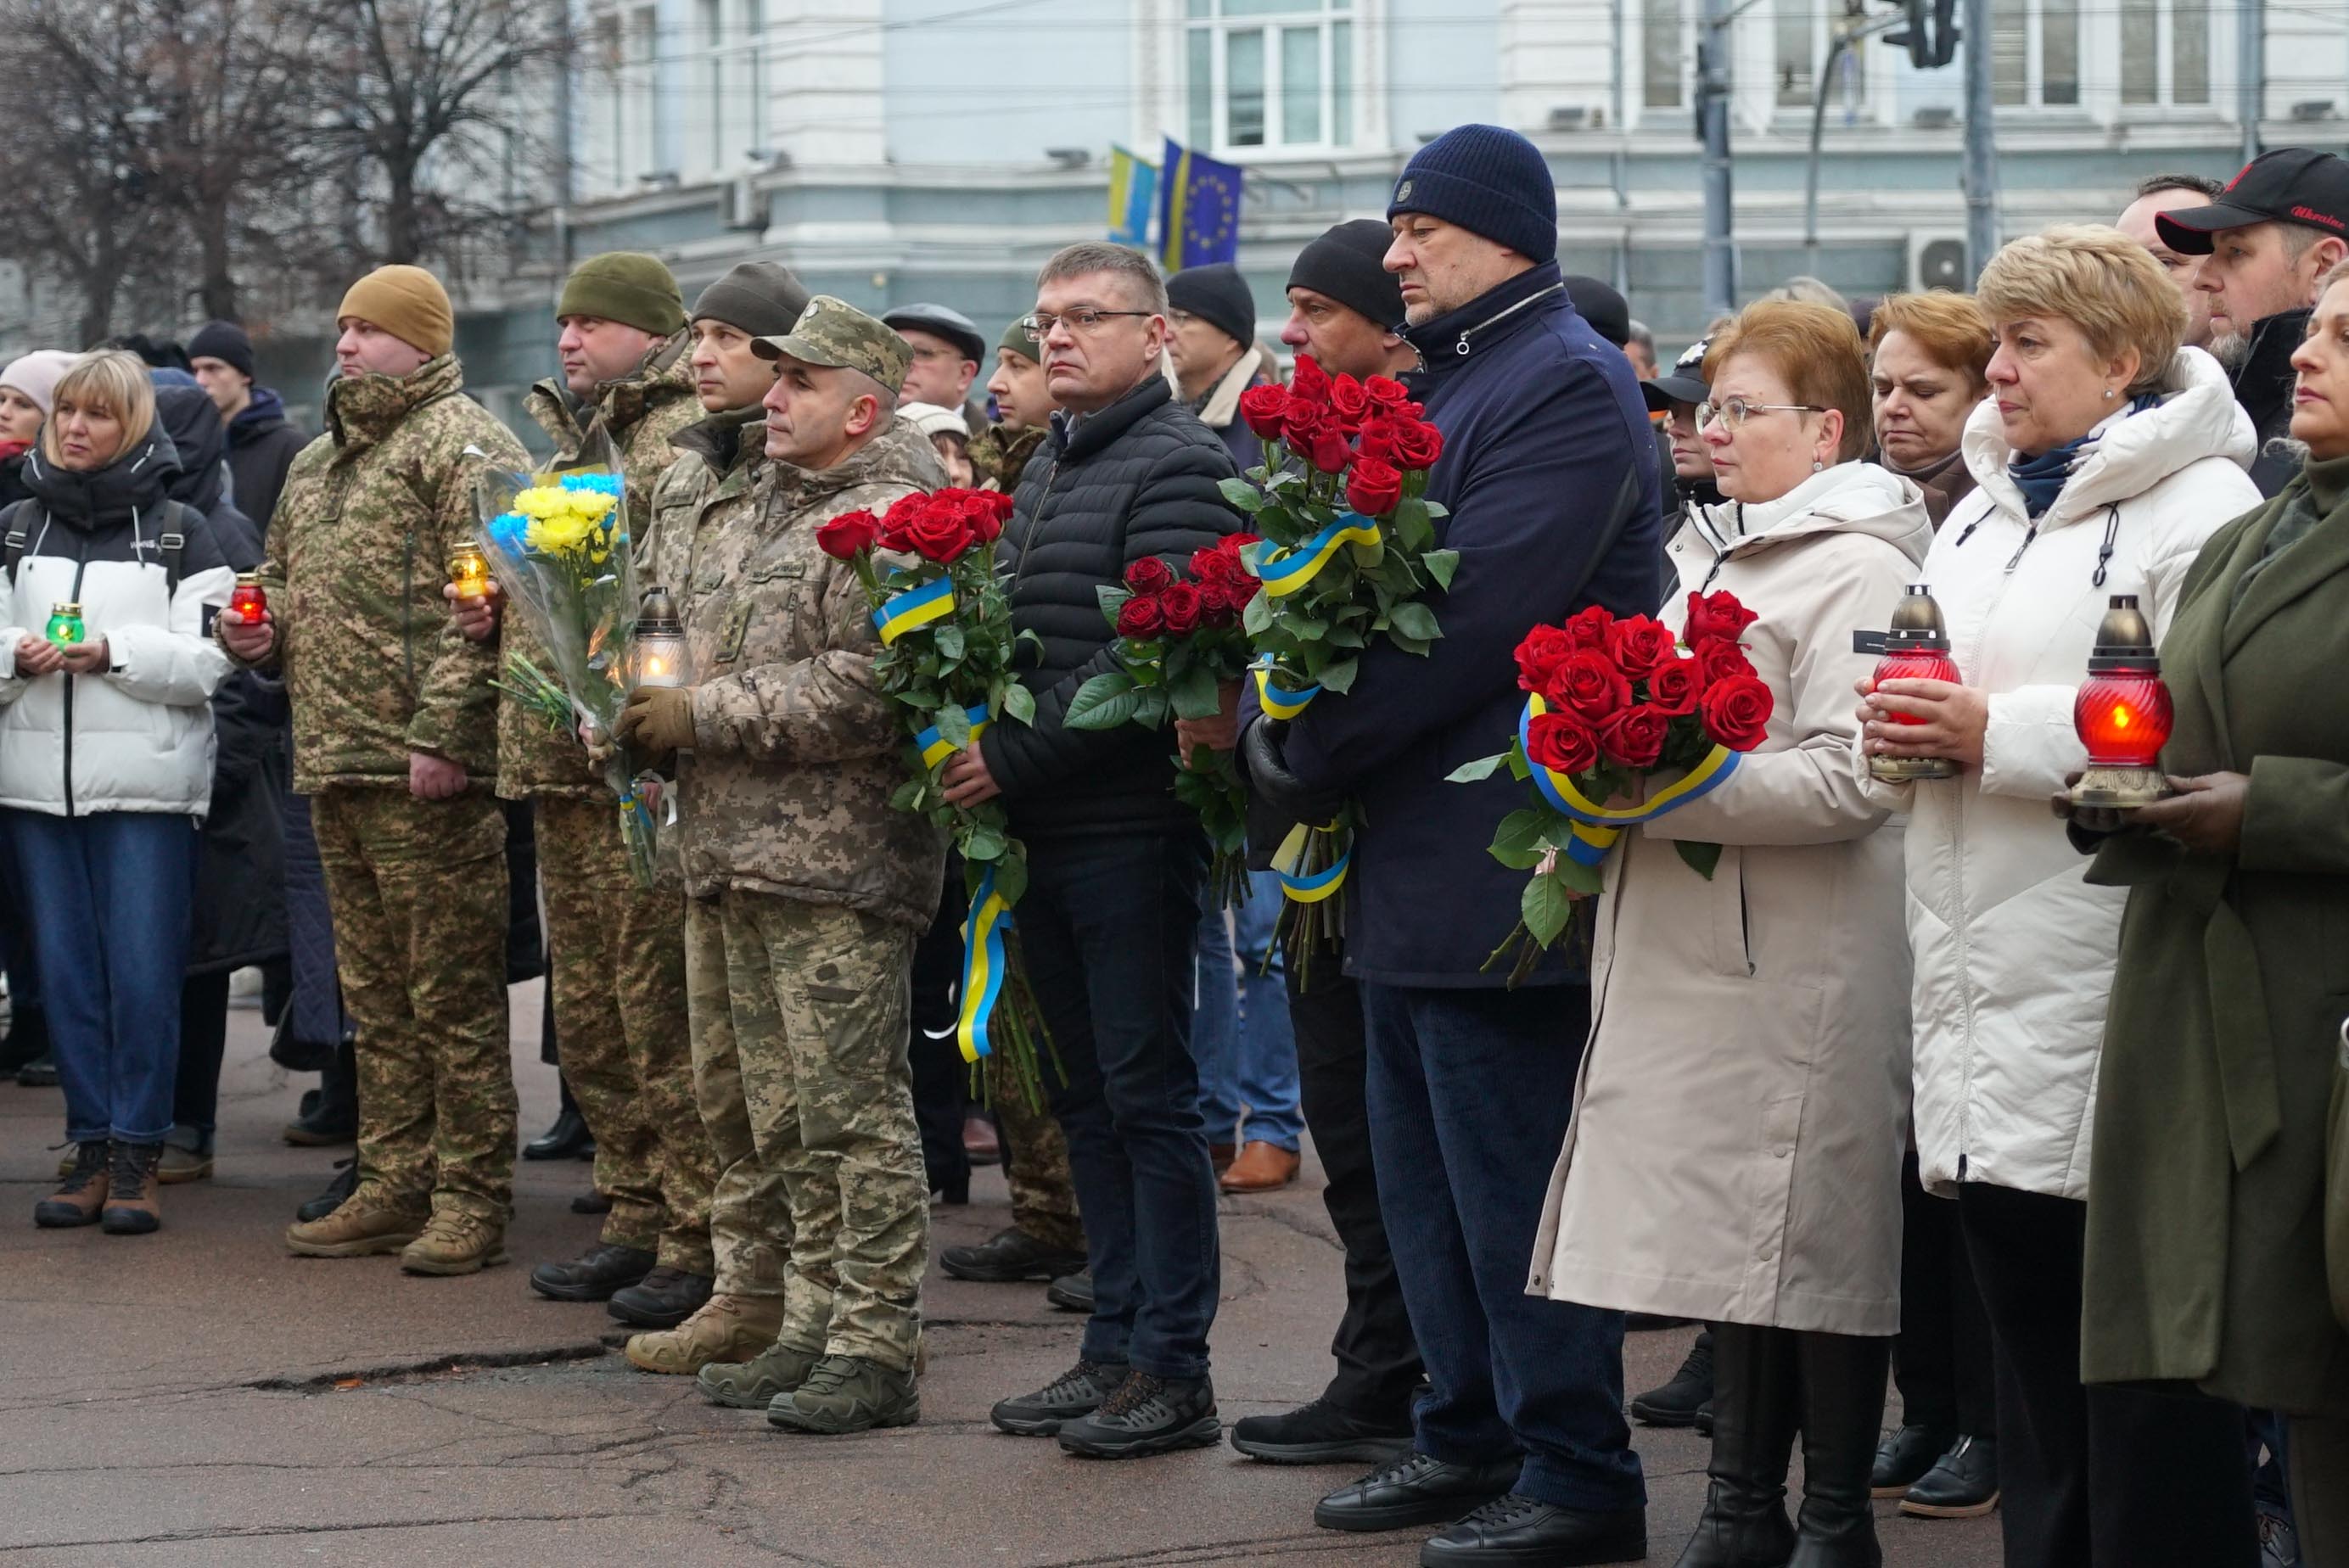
pixel 2122 714
pixel 1917 648
pixel 247 599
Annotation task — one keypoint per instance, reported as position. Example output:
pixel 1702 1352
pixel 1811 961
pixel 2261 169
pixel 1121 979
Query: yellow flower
pixel 556 535
pixel 541 501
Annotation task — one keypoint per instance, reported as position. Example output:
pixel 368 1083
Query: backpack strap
pixel 171 541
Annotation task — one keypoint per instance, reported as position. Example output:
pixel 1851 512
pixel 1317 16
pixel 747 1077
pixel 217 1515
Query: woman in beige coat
pixel 1736 1149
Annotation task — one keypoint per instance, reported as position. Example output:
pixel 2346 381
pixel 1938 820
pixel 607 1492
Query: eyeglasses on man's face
pixel 1082 320
pixel 1733 412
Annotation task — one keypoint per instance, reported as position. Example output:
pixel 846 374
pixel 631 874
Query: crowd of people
pixel 1840 1100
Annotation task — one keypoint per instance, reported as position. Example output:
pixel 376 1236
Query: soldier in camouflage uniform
pixel 790 757
pixel 394 739
pixel 616 951
pixel 1024 405
pixel 707 493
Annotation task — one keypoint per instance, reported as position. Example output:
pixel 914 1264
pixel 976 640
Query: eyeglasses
pixel 928 356
pixel 1735 411
pixel 1083 319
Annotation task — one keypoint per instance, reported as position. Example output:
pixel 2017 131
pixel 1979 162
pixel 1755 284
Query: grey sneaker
pixel 753 1385
pixel 848 1394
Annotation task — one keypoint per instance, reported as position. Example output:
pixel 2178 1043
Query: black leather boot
pixel 1753 1418
pixel 1843 1400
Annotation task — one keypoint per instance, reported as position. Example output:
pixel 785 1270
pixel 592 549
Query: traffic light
pixel 1931 36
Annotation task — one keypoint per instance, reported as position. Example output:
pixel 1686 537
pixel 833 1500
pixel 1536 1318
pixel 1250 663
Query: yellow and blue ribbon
pixel 983 965
pixel 1286 570
pixel 935 749
pixel 1279 701
pixel 932 600
pixel 1596 827
pixel 1290 856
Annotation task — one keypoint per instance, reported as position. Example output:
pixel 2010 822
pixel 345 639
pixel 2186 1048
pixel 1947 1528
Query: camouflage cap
pixel 832 332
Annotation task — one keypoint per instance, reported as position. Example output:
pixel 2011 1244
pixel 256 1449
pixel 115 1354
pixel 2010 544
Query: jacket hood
pixel 267 411
pixel 2130 452
pixel 361 410
pixel 135 481
pixel 1850 497
pixel 717 440
pixel 196 429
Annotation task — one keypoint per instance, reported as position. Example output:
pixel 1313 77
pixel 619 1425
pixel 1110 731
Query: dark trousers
pixel 203 1041
pixel 2092 1477
pixel 1469 1095
pixel 1110 928
pixel 941 1077
pixel 1378 1360
pixel 1941 1362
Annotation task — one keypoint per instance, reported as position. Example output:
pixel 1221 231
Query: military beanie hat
pixel 407 302
pixel 1015 338
pixel 1348 263
pixel 760 298
pixel 1490 181
pixel 626 286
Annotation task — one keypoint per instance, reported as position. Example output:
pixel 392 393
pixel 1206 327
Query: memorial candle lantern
pixel 247 599
pixel 469 569
pixel 1917 648
pixel 657 654
pixel 65 627
pixel 2122 714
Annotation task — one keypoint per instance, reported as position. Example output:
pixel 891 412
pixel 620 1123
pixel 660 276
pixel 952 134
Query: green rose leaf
pixel 1112 598
pixel 1011 875
pixel 951 644
pixel 1482 769
pixel 1257 619
pixel 1700 858
pixel 954 726
pixel 1019 703
pixel 985 842
pixel 1441 564
pixel 1103 702
pixel 1547 906
pixel 1195 693
pixel 1339 677
pixel 1243 495
pixel 1415 619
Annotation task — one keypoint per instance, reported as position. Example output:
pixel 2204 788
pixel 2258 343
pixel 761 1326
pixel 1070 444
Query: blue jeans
pixel 1241 1036
pixel 1469 1095
pixel 108 897
pixel 1108 928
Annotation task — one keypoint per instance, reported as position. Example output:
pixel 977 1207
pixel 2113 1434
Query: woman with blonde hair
pixel 2104 458
pixel 106 765
pixel 1735 1151
pixel 1927 353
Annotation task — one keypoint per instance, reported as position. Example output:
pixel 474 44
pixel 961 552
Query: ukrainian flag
pixel 1133 197
pixel 1199 209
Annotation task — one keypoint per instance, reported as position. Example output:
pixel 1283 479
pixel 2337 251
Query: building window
pixel 1663 41
pixel 1270 73
pixel 1798 56
pixel 2036 52
pixel 2177 31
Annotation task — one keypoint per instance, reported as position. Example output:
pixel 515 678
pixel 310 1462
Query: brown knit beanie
pixel 626 286
pixel 407 302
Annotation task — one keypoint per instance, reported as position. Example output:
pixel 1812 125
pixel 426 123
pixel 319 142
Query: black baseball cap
pixel 2290 185
pixel 1683 384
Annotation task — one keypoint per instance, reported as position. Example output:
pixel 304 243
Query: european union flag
pixel 1199 209
pixel 1133 197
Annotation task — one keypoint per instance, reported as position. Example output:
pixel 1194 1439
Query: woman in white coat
pixel 2104 458
pixel 1734 1154
pixel 106 765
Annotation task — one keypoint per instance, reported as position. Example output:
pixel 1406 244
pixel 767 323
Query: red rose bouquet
pixel 928 567
pixel 1180 649
pixel 1348 550
pixel 1612 706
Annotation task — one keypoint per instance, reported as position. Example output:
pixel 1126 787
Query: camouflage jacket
pixel 999 456
pixel 795 753
pixel 358 548
pixel 642 412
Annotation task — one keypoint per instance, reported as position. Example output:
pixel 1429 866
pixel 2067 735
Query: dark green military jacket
pixel 2206 1209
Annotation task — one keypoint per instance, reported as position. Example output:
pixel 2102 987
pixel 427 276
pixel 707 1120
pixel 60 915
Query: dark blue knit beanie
pixel 1490 181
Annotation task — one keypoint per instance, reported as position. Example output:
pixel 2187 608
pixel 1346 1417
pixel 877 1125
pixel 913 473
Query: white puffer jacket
pixel 138 738
pixel 2013 951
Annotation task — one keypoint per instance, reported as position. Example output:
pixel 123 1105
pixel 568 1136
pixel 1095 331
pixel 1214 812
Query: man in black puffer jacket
pixel 1115 862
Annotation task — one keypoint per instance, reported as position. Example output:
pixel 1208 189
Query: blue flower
pixel 507 530
pixel 601 484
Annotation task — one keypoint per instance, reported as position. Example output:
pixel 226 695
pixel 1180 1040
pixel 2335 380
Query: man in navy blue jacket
pixel 1549 473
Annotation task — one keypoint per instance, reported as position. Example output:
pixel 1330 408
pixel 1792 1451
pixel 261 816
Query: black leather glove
pixel 1270 778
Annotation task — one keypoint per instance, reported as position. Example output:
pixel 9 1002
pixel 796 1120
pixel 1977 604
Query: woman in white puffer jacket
pixel 2103 457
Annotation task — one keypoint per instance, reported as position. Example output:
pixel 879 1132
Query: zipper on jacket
pixel 80 562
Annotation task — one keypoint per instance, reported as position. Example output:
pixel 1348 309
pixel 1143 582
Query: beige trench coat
pixel 1734 1154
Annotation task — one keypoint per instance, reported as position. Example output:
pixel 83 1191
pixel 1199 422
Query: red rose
pixel 1718 661
pixel 1539 656
pixel 1716 615
pixel 1309 382
pixel 1386 391
pixel 1231 544
pixel 1587 628
pixel 1674 685
pixel 1635 736
pixel 1735 711
pixel 1266 410
pixel 986 522
pixel 1349 401
pixel 1180 606
pixel 1638 645
pixel 940 534
pixel 1150 575
pixel 1328 451
pixel 1377 440
pixel 848 533
pixel 1589 684
pixel 898 520
pixel 1417 444
pixel 1373 487
pixel 1561 740
pixel 1220 604
pixel 1141 618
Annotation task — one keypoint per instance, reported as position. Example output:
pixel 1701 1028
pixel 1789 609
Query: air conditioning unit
pixel 746 208
pixel 1934 116
pixel 1939 262
pixel 2308 110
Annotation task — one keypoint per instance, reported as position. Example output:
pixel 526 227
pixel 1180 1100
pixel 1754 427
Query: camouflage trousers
pixel 820 997
pixel 1035 1163
pixel 618 975
pixel 750 1214
pixel 418 891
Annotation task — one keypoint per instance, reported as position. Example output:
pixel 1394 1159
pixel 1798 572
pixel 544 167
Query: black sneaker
pixel 346 1180
pixel 1077 1392
pixel 41 1072
pixel 1675 1403
pixel 1415 1489
pixel 1147 1415
pixel 594 1275
pixel 1903 1458
pixel 1520 1530
pixel 662 1299
pixel 1010 1257
pixel 1071 1292
pixel 1320 1434
pixel 1962 1484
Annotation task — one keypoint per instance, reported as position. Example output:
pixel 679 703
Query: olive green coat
pixel 2206 1260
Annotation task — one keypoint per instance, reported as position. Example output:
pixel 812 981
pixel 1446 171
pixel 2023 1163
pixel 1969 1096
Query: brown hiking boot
pixel 80 1195
pixel 362 1225
pixel 728 1328
pixel 456 1241
pixel 133 1204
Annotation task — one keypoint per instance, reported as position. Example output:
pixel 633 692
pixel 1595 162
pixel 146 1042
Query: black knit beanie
pixel 224 341
pixel 1609 313
pixel 1219 296
pixel 1488 180
pixel 1348 264
pixel 763 299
